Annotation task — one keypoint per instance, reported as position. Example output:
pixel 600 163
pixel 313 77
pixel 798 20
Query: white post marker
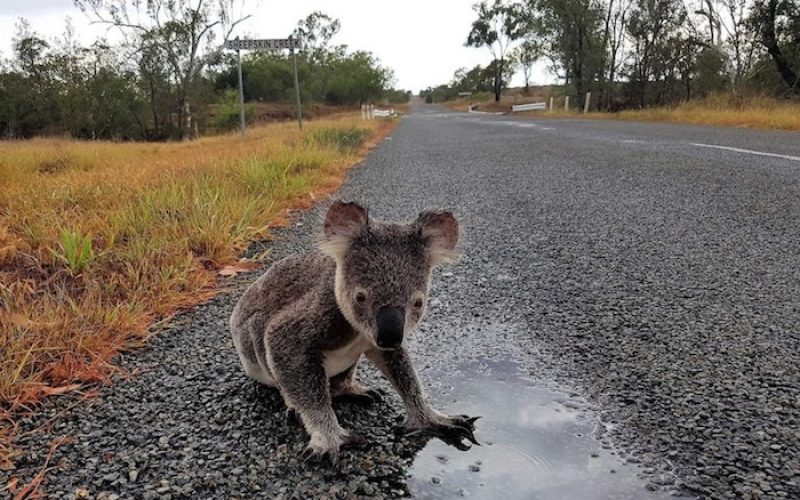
pixel 290 43
pixel 551 103
pixel 586 102
pixel 566 103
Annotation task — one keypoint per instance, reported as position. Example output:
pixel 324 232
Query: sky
pixel 421 40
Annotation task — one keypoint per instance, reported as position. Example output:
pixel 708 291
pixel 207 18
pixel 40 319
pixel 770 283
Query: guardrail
pixel 483 112
pixel 534 106
pixel 368 112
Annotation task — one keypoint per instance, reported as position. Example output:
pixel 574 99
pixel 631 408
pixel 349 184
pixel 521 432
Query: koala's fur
pixel 303 325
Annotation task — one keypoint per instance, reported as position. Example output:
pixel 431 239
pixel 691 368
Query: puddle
pixel 535 443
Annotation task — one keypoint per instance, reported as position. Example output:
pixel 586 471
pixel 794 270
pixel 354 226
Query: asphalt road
pixel 642 268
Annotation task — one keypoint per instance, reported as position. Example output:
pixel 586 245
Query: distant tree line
pixel 166 76
pixel 636 53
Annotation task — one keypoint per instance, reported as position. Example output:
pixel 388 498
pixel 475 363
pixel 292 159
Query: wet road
pixel 624 315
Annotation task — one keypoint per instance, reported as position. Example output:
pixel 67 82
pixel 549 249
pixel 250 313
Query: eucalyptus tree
pixel 572 34
pixel 526 55
pixel 498 25
pixel 173 39
pixel 777 27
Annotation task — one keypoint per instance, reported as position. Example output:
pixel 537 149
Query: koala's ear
pixel 343 222
pixel 439 231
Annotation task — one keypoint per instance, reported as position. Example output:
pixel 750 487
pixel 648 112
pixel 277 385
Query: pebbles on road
pixel 664 286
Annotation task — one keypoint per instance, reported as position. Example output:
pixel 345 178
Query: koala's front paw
pixel 325 449
pixel 450 429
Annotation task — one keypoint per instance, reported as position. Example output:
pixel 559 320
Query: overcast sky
pixel 421 40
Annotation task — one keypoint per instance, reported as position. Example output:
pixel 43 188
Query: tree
pixel 316 32
pixel 357 79
pixel 654 30
pixel 62 87
pixel 739 41
pixel 571 31
pixel 498 25
pixel 526 54
pixel 173 37
pixel 777 23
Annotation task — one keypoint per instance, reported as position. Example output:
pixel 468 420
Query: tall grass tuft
pixel 344 139
pixel 76 250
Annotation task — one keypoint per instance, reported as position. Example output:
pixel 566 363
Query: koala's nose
pixel 390 322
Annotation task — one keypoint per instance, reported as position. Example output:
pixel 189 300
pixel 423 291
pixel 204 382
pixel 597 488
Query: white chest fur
pixel 339 360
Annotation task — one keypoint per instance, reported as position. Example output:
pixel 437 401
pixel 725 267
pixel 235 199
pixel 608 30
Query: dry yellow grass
pixel 762 113
pixel 99 239
pixel 723 110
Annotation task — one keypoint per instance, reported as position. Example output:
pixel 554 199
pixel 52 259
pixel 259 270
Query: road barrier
pixel 534 106
pixel 368 112
pixel 471 110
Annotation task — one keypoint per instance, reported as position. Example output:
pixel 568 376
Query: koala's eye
pixel 361 297
pixel 418 304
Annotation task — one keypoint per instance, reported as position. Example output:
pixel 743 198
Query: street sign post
pixel 290 43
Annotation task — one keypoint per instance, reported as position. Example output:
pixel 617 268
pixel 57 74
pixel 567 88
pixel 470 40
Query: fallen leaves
pixel 239 267
pixel 55 391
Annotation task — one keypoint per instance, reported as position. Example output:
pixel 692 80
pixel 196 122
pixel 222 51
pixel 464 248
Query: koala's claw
pixel 376 395
pixel 452 432
pixel 367 398
pixel 355 441
pixel 454 435
pixel 465 421
pixel 331 454
pixel 309 455
pixel 291 418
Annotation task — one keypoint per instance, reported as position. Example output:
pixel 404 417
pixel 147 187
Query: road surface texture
pixel 649 269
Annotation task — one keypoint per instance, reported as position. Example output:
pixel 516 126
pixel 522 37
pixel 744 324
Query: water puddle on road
pixel 536 443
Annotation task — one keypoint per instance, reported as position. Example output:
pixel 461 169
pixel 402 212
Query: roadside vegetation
pixel 168 77
pixel 726 109
pixel 726 62
pixel 99 239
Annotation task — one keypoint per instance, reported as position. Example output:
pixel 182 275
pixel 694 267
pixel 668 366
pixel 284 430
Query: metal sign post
pixel 290 43
pixel 297 89
pixel 241 92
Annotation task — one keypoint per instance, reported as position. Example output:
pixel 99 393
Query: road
pixel 638 281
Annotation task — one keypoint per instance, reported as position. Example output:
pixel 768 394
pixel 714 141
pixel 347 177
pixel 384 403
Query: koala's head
pixel 383 270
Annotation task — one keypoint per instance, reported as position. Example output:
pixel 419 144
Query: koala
pixel 303 326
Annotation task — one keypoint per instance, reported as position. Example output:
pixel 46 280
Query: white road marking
pixel 530 125
pixel 748 151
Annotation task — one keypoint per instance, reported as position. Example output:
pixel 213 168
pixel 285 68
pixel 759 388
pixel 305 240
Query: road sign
pixel 263 44
pixel 290 43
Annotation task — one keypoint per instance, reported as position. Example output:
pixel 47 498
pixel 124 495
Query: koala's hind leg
pixel 420 416
pixel 345 387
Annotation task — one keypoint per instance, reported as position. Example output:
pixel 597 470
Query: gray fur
pixel 304 324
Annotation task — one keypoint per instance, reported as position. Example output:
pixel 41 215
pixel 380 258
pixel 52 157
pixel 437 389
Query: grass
pixel 723 110
pixel 98 240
